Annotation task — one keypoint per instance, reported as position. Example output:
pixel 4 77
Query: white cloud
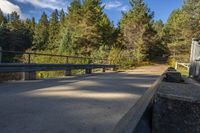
pixel 8 7
pixel 112 4
pixel 124 8
pixel 51 4
pixel 115 4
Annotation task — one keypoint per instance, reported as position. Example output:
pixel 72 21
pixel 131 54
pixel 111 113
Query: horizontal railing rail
pixel 11 67
pixel 50 55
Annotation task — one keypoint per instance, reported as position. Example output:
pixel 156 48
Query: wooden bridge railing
pixel 29 68
pixel 30 54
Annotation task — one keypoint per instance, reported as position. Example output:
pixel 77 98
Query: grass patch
pixel 184 72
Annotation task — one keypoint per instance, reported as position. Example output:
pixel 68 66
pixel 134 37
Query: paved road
pixel 92 104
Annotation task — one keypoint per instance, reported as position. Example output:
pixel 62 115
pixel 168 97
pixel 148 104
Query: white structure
pixel 195 59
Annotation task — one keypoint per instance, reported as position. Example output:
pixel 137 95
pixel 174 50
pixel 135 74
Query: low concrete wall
pixel 11 76
pixel 174 108
pixel 175 116
pixel 177 108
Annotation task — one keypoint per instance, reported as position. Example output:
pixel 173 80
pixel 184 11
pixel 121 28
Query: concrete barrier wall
pixel 174 108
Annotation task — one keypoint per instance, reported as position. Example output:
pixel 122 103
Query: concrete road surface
pixel 84 104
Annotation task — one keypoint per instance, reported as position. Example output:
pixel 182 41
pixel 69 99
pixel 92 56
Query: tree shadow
pixel 88 104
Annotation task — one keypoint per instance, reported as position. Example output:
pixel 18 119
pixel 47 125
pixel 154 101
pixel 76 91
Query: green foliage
pixel 41 35
pixel 15 35
pixel 121 57
pixel 171 61
pixel 2 18
pixel 53 31
pixel 181 27
pixel 136 27
pixel 159 49
pixel 85 30
pixel 178 33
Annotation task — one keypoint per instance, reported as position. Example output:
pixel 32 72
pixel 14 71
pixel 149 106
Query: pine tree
pixel 68 41
pixel 178 34
pixel 14 21
pixel 192 9
pixel 62 17
pixel 136 27
pixel 33 23
pixel 158 26
pixel 87 28
pixel 2 18
pixel 40 38
pixel 159 50
pixel 53 30
pixel 4 37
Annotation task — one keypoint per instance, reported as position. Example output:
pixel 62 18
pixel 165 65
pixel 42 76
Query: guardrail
pixel 138 118
pixel 30 68
pixel 7 67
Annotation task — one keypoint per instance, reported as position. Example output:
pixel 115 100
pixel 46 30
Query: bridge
pixel 150 99
pixel 85 104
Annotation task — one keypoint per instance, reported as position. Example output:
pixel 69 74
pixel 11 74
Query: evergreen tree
pixel 4 37
pixel 178 34
pixel 53 30
pixel 33 23
pixel 159 50
pixel 62 17
pixel 183 25
pixel 87 27
pixel 27 23
pixel 41 36
pixel 2 18
pixel 136 27
pixel 68 35
pixel 192 9
pixel 158 27
pixel 14 21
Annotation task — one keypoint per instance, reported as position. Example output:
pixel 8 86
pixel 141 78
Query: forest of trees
pixel 87 31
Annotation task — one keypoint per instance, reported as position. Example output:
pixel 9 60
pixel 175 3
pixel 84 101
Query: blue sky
pixel 113 8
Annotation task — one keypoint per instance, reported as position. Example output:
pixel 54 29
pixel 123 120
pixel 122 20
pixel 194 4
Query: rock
pixel 173 76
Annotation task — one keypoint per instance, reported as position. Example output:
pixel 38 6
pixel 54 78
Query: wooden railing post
pixel 114 68
pixel 104 69
pixel 29 58
pixel 68 72
pixel 88 71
